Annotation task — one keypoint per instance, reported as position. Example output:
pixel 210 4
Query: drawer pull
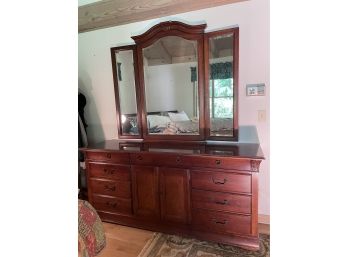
pixel 113 205
pixel 109 188
pixel 220 222
pixel 108 155
pixel 109 172
pixel 217 182
pixel 139 157
pixel 217 162
pixel 178 159
pixel 222 203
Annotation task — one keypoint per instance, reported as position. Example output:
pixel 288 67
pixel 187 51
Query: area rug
pixel 163 245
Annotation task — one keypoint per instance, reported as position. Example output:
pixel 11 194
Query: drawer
pixel 109 171
pixel 221 222
pixel 217 201
pixel 157 159
pixel 221 181
pixel 216 162
pixel 121 158
pixel 109 187
pixel 112 204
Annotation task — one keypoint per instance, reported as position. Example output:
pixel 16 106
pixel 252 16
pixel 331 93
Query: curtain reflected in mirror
pixel 171 92
pixel 221 85
pixel 126 92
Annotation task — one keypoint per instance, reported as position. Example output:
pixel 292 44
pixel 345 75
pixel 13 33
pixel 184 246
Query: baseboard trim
pixel 264 219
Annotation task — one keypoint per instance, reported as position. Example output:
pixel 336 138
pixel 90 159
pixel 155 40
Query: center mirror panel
pixel 171 88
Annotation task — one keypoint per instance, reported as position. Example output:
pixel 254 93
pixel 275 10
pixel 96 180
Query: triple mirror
pixel 177 83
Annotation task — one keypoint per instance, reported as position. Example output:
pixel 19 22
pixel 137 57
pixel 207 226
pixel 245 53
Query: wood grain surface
pixel 110 13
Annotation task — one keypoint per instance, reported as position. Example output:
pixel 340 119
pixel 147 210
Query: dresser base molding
pixel 249 243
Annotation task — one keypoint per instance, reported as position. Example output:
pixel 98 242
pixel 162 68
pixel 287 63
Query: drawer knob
pixel 222 203
pixel 224 222
pixel 113 205
pixel 108 155
pixel 139 157
pixel 217 182
pixel 217 162
pixel 110 172
pixel 178 159
pixel 110 188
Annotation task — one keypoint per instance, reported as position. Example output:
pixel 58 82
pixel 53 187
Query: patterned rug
pixel 163 245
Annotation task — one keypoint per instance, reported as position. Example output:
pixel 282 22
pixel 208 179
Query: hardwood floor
pixel 264 229
pixel 124 241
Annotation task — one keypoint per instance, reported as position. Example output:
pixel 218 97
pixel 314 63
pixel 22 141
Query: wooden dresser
pixel 191 189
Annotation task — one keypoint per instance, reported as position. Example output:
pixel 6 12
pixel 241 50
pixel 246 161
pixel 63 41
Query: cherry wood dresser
pixel 207 191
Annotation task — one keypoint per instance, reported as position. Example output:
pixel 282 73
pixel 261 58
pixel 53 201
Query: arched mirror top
pixel 172 28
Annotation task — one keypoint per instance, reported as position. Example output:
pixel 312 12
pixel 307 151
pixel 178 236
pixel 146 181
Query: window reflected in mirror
pixel 171 88
pixel 221 85
pixel 126 92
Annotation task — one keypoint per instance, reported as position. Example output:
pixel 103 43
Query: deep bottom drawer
pixel 221 222
pixel 112 204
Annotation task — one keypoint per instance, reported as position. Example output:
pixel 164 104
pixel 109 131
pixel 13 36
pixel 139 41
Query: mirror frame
pixel 189 32
pixel 207 36
pixel 117 96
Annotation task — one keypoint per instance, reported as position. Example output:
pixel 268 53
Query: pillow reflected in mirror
pixel 181 116
pixel 157 121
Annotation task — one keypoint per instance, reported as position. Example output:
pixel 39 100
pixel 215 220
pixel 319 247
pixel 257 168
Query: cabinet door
pixel 175 204
pixel 145 186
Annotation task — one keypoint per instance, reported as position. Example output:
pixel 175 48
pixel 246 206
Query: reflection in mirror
pixel 126 91
pixel 221 85
pixel 171 88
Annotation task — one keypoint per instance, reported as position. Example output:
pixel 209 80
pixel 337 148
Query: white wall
pixel 169 87
pixel 252 17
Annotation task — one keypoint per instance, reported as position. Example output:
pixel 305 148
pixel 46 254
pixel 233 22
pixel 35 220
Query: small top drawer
pixel 122 158
pixel 221 181
pixel 109 171
pixel 156 159
pixel 216 162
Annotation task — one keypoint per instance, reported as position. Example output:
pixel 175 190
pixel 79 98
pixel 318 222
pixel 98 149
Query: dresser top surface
pixel 242 150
